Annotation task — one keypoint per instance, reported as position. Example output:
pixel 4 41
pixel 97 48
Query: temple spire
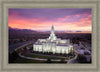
pixel 52 30
pixel 52 35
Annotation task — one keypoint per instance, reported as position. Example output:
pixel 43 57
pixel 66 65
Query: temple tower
pixel 52 35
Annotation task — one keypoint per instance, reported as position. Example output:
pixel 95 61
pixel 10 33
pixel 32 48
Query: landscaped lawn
pixel 42 57
pixel 23 60
pixel 45 57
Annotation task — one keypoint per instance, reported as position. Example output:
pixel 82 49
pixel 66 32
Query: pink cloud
pixel 63 18
pixel 77 15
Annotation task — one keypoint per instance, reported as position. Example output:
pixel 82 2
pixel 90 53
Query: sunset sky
pixel 42 19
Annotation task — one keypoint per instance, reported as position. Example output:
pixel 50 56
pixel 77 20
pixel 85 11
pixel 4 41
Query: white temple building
pixel 53 44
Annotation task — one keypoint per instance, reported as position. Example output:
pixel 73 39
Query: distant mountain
pixel 21 31
pixel 15 31
pixel 78 31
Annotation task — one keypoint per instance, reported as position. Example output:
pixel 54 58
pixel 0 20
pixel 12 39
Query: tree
pixel 62 60
pixel 13 56
pixel 81 59
pixel 48 61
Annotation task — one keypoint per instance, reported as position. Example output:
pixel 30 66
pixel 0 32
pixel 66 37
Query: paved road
pixel 14 46
pixel 73 60
pixel 39 58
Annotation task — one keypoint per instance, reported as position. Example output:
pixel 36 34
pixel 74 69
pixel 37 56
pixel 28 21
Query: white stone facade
pixel 53 44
